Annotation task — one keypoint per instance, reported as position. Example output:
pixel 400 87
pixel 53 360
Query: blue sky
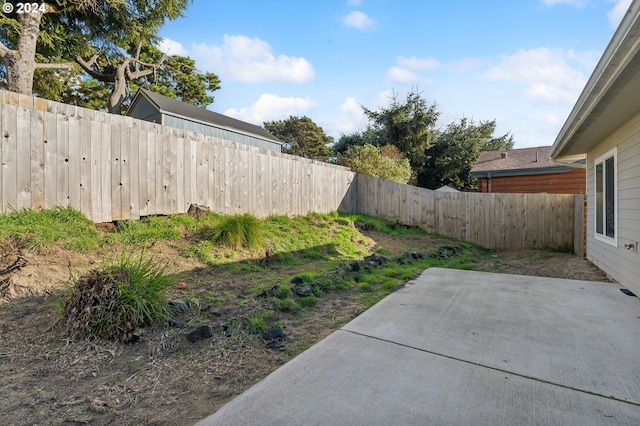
pixel 520 62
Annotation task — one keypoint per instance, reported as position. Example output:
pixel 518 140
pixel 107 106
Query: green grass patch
pixel 307 301
pixel 238 231
pixel 368 223
pixel 44 228
pixel 259 321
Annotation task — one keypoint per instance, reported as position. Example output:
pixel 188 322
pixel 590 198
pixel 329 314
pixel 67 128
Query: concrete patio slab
pixel 463 347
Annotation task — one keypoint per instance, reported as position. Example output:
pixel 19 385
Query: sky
pixel 522 63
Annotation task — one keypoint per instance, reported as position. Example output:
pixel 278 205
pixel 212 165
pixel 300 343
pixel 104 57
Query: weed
pixel 307 301
pixel 282 291
pixel 259 322
pixel 286 305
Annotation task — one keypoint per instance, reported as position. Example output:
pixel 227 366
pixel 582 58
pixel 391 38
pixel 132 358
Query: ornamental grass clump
pixel 239 231
pixel 113 302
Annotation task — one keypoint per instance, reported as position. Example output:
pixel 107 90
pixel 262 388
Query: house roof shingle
pixel 516 162
pixel 194 113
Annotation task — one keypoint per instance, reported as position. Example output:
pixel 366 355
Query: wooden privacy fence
pixel 112 168
pixel 490 220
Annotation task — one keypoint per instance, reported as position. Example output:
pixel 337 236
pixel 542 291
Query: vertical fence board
pixel 95 166
pixel 85 160
pixel 116 172
pixel 9 158
pixel 23 163
pixel 134 173
pixel 62 162
pixel 37 160
pixel 74 162
pixel 106 171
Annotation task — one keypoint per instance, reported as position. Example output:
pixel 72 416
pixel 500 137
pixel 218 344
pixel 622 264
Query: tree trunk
pixel 21 61
pixel 119 92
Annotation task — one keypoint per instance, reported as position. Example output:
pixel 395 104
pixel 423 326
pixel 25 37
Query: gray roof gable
pixel 191 112
pixel 516 162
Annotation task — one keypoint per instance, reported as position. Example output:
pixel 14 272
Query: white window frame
pixel 613 153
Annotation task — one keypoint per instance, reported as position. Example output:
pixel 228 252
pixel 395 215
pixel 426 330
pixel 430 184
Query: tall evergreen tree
pixel 301 136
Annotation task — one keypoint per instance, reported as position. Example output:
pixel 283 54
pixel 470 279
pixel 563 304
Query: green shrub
pixel 238 231
pixel 113 302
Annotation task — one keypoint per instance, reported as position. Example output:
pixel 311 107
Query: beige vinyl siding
pixel 621 264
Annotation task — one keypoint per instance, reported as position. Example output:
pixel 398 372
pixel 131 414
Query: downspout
pixel 489 182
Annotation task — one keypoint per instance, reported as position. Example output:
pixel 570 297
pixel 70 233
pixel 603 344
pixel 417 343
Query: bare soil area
pixel 47 378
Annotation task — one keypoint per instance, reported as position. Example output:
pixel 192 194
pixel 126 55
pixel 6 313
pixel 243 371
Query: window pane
pixel 599 200
pixel 610 197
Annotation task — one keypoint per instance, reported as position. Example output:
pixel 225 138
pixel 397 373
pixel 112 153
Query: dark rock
pixel 303 291
pixel 130 339
pixel 176 323
pixel 297 281
pixel 277 344
pixel 269 293
pixel 202 332
pixel 376 259
pixel 179 305
pixel 272 334
pixel 354 266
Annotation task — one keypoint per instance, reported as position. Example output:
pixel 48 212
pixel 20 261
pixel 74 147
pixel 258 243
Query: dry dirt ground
pixel 48 378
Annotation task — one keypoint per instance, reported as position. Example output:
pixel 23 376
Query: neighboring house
pixel 150 106
pixel 604 129
pixel 526 170
pixel 447 188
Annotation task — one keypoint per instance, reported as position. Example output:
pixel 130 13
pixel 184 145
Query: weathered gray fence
pixel 111 168
pixel 490 220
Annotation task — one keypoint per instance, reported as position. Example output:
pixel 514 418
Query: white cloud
pixel 616 14
pixel 571 2
pixel 359 20
pixel 251 60
pixel 546 74
pixel 417 64
pixel 406 69
pixel 171 47
pixel 351 118
pixel 402 75
pixel 271 107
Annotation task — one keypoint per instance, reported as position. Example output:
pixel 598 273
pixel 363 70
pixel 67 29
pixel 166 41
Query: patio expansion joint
pixel 488 367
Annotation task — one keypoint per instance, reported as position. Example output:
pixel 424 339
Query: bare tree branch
pixel 87 66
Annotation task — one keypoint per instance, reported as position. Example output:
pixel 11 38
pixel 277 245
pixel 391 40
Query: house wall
pixel 621 264
pixel 194 126
pixel 572 182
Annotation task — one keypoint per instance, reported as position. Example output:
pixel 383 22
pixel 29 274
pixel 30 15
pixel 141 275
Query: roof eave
pixel 603 97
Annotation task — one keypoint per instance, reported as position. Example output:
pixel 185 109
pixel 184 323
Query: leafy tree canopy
pixel 301 136
pixel 455 151
pixel 384 162
pixel 437 156
pixel 408 125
